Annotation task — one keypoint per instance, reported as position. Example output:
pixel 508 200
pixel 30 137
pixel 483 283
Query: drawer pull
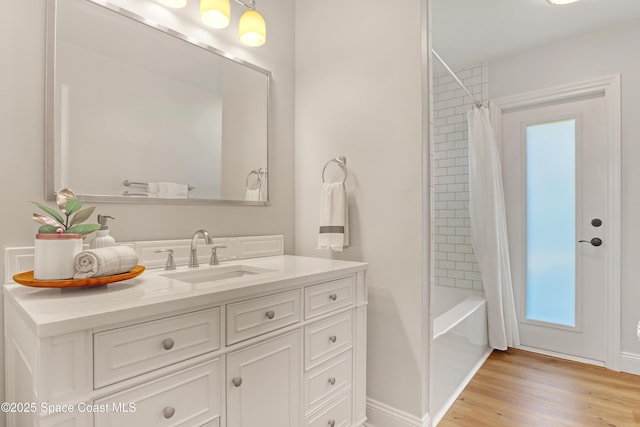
pixel 237 381
pixel 333 297
pixel 168 344
pixel 333 338
pixel 332 381
pixel 331 423
pixel 270 314
pixel 168 412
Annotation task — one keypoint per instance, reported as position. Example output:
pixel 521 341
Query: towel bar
pixel 258 173
pixel 340 161
pixel 128 183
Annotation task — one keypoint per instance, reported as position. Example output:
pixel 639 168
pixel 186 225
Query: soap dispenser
pixel 102 239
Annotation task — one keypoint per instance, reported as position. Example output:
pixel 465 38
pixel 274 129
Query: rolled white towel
pixel 104 262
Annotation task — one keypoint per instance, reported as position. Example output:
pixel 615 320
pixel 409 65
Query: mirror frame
pixel 50 65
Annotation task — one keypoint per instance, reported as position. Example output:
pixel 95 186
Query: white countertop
pixel 55 311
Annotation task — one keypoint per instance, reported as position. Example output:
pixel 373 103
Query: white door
pixel 555 174
pixel 263 384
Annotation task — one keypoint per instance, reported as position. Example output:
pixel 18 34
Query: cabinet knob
pixel 168 412
pixel 333 338
pixel 168 344
pixel 331 423
pixel 332 381
pixel 237 381
pixel 270 314
pixel 333 297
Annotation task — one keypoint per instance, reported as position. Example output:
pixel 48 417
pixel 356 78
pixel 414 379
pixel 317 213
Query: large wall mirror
pixel 140 113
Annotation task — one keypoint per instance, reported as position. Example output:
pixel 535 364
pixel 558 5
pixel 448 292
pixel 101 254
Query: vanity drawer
pixel 326 338
pixel 326 381
pixel 250 318
pixel 190 397
pixel 133 350
pixel 336 414
pixel 330 296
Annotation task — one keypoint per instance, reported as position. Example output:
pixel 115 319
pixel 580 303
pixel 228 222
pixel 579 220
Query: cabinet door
pixel 263 384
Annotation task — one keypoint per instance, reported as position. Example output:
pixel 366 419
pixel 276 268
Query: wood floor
pixel 517 388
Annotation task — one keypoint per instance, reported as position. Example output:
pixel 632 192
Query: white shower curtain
pixel 489 229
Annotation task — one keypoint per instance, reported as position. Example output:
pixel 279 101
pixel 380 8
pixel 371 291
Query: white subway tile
pixel 462 283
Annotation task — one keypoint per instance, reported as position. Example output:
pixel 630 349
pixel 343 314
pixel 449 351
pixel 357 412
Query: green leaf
pixel 73 205
pixel 51 212
pixel 63 196
pixel 45 220
pixel 48 229
pixel 83 228
pixel 82 216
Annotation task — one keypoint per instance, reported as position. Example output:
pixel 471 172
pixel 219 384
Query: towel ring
pixel 340 161
pixel 256 173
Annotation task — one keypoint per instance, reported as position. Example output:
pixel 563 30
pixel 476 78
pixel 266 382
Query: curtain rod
pixel 475 101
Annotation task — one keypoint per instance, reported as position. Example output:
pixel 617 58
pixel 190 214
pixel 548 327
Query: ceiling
pixel 468 32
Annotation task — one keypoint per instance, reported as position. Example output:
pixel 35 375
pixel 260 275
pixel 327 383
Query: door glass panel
pixel 551 213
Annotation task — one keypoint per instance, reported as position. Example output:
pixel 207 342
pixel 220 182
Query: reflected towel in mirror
pixel 253 195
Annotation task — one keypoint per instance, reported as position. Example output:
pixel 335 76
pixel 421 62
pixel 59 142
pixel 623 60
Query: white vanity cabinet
pixel 263 383
pixel 284 350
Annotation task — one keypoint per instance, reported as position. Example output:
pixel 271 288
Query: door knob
pixel 596 241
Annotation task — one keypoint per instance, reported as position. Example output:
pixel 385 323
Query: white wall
pixel 22 75
pixel 359 94
pixel 601 53
pixel 455 262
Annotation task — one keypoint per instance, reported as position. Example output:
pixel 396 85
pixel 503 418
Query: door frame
pixel 609 87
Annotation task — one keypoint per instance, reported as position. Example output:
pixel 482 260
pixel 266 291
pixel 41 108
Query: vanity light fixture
pixel 176 4
pixel 252 27
pixel 215 13
pixel 554 2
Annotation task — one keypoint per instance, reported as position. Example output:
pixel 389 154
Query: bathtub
pixel 460 344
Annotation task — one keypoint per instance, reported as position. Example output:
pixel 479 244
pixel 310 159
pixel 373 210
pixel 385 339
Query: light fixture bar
pixel 251 5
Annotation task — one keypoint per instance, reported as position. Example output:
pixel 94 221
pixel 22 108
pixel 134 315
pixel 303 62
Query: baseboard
pixel 630 363
pixel 382 415
pixel 454 396
pixel 561 355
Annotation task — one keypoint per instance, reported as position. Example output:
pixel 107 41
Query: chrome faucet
pixel 193 258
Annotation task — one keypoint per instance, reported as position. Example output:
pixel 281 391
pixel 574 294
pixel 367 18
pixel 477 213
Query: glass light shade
pixel 176 4
pixel 215 13
pixel 253 29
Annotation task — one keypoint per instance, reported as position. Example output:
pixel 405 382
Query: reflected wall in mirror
pixel 131 102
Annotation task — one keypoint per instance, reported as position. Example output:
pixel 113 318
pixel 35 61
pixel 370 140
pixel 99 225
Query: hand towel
pixel 152 189
pixel 104 262
pixel 253 195
pixel 171 190
pixel 334 217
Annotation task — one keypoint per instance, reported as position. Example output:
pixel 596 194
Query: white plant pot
pixel 54 254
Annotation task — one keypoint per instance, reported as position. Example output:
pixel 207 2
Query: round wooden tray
pixel 26 279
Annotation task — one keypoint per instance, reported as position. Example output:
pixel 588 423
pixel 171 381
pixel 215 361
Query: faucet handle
pixel 214 254
pixel 171 263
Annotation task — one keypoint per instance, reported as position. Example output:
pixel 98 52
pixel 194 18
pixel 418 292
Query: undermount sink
pixel 216 273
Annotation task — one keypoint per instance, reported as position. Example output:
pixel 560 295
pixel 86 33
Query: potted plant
pixel 60 235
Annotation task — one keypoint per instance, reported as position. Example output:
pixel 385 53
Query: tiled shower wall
pixel 456 265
